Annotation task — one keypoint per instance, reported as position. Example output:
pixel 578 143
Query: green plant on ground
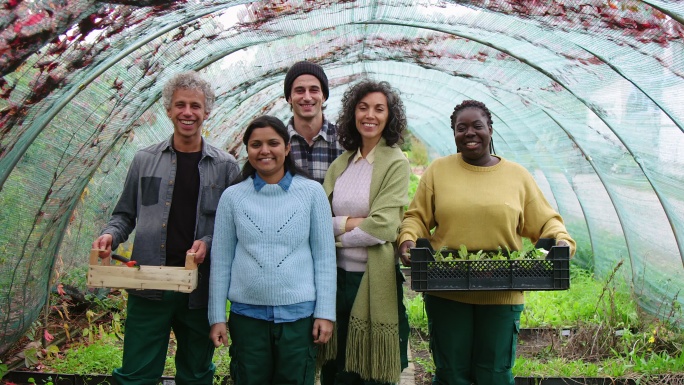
pixel 100 357
pixel 222 362
pixel 645 369
pixel 101 348
pixel 75 276
pixel 566 308
pixel 415 308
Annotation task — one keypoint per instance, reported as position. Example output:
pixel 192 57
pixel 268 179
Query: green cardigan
pixel 373 341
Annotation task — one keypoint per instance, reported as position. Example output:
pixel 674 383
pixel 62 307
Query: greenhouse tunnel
pixel 587 95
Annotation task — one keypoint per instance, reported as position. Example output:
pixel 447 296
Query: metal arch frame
pixel 35 129
pixel 216 57
pixel 26 139
pixel 667 11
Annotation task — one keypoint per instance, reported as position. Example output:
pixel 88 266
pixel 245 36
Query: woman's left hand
pixel 562 243
pixel 322 330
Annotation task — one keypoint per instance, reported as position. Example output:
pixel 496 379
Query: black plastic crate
pixel 552 273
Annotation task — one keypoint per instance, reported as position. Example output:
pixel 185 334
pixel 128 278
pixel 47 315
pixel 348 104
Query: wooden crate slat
pixel 148 277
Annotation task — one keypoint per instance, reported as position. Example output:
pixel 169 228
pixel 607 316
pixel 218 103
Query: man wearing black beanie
pixel 313 139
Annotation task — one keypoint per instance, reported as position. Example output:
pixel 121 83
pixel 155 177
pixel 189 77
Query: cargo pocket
pixel 149 188
pixel 234 365
pixel 310 371
pixel 516 331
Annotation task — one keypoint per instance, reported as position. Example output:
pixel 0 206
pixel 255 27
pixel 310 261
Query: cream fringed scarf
pixel 373 341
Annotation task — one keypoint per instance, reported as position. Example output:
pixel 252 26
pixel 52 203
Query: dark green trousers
pixel 472 344
pixel 348 284
pixel 269 353
pixel 146 341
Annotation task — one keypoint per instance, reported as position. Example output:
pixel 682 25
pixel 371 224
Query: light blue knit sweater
pixel 273 247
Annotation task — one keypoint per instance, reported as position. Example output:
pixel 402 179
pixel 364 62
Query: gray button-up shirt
pixel 146 199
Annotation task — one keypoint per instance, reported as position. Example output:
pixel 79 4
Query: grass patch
pixel 415 308
pixel 645 369
pixel 99 357
pixel 105 355
pixel 567 308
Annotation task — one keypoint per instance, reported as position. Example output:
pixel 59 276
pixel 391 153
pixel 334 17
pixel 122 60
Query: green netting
pixel 586 94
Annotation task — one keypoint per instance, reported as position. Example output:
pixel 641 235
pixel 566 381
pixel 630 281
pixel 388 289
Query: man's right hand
pixel 104 244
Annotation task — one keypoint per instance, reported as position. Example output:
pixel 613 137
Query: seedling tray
pixel 181 279
pixel 552 273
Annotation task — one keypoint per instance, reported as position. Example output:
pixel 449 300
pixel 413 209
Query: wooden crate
pixel 102 274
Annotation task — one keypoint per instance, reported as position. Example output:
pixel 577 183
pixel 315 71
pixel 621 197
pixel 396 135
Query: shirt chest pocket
pixel 211 195
pixel 149 190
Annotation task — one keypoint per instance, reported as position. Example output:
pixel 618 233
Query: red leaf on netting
pixel 60 290
pixel 48 336
pixel 9 5
pixel 34 19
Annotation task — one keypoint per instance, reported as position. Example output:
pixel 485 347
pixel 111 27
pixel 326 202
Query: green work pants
pixel 269 353
pixel 348 283
pixel 472 344
pixel 146 341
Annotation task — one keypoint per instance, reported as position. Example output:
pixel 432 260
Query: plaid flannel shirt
pixel 317 158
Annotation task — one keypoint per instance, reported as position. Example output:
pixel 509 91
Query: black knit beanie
pixel 306 67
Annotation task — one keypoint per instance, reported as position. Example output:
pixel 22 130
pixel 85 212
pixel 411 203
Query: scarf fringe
pixel 373 351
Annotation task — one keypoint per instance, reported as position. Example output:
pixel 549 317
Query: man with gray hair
pixel 170 197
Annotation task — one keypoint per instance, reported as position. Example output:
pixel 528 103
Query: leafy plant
pixel 529 251
pixel 99 357
pixel 415 308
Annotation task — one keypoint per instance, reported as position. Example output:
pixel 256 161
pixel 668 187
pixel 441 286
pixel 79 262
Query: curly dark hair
pixel 473 104
pixel 277 125
pixel 349 136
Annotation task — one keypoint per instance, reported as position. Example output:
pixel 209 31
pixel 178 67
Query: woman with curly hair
pixel 368 188
pixel 485 202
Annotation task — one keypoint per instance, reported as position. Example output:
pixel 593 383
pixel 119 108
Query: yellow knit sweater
pixel 482 208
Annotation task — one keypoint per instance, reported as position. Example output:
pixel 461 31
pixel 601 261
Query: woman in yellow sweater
pixel 484 202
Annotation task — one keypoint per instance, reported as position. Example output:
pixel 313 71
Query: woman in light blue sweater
pixel 273 257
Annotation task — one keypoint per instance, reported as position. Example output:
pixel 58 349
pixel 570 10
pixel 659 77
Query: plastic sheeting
pixel 586 94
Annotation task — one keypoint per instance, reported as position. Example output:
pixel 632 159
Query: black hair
pixel 277 125
pixel 349 136
pixel 474 104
